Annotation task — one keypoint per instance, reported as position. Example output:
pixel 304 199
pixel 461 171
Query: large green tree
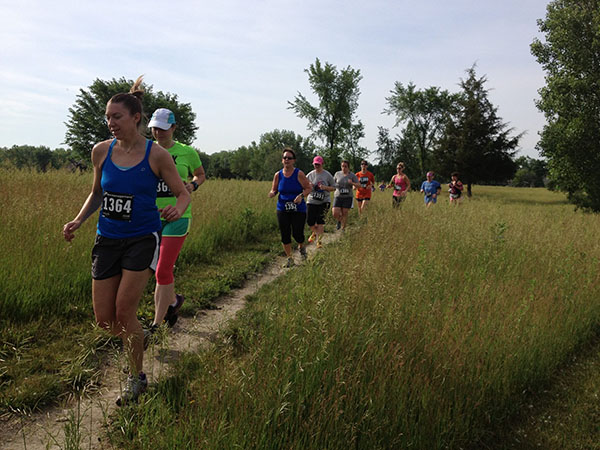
pixel 570 56
pixel 476 142
pixel 333 118
pixel 87 125
pixel 423 114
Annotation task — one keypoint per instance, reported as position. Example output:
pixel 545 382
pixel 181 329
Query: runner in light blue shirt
pixel 431 189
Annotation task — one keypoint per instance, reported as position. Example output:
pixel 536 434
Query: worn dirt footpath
pixel 46 430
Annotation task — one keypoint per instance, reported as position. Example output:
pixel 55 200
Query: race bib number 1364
pixel 117 206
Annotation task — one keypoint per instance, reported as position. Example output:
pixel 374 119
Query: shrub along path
pixel 82 423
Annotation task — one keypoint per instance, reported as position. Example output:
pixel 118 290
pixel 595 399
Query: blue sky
pixel 238 63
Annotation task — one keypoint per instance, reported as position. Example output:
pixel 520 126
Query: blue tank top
pixel 288 189
pixel 128 199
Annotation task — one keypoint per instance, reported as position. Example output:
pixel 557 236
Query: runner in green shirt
pixel 187 161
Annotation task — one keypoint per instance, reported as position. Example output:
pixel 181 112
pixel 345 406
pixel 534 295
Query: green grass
pixel 41 274
pixel 563 414
pixel 421 329
pixel 418 329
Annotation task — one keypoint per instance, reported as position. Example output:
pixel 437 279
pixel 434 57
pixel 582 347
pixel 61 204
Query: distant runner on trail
pixel 292 186
pixel 126 172
pixel 342 198
pixel 188 164
pixel 319 199
pixel 431 189
pixel 455 188
pixel 363 191
pixel 401 185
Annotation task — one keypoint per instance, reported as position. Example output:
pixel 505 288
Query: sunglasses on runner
pixel 287 158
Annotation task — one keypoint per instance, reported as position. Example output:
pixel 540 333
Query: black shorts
pixel 342 202
pixel 360 200
pixel 316 214
pixel 110 256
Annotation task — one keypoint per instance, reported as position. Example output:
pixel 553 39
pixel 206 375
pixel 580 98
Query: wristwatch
pixel 195 185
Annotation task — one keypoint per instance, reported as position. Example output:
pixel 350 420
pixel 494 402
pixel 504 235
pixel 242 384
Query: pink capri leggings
pixel 169 251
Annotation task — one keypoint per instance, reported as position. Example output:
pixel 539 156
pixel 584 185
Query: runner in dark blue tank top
pixel 138 205
pixel 126 172
pixel 292 186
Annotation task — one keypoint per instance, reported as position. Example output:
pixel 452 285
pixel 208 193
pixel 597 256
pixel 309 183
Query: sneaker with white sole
pixel 134 387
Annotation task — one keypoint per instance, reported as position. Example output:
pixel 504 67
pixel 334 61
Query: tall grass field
pixel 418 328
pixel 41 274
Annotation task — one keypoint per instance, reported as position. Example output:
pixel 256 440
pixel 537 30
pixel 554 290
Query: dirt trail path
pixel 47 429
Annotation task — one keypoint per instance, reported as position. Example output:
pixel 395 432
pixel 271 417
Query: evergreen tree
pixel 476 143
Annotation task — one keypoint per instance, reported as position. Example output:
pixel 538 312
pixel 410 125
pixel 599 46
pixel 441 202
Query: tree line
pixel 438 130
pixel 258 161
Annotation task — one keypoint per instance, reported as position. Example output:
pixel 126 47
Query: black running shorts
pixel 110 256
pixel 316 214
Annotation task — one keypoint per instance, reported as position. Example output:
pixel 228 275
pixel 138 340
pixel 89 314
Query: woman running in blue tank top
pixel 292 186
pixel 126 173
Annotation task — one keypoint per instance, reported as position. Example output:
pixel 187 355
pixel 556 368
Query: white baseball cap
pixel 162 118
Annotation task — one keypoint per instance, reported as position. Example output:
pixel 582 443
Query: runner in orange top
pixel 367 181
